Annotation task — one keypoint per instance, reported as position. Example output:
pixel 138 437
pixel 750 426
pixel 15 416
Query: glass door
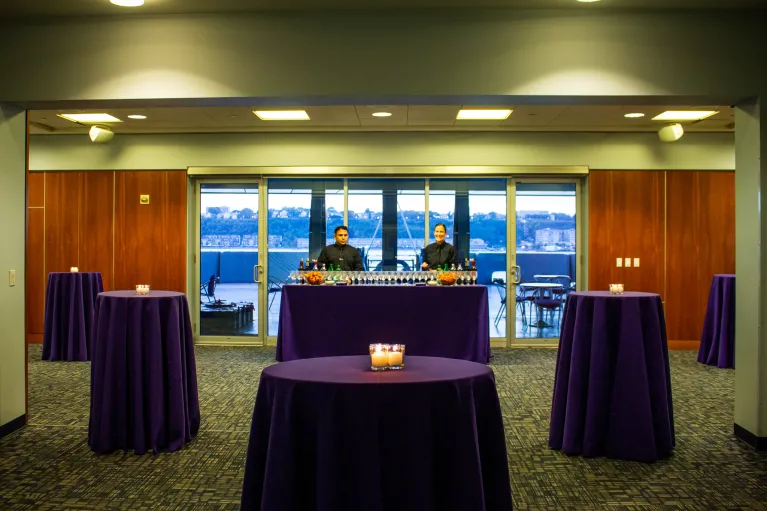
pixel 230 262
pixel 544 268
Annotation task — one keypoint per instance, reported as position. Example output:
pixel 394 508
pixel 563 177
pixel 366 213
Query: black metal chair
pixel 209 288
pixel 275 286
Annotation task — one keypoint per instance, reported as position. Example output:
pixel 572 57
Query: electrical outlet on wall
pixel 636 262
pixel 11 278
pixel 619 262
pixel 627 262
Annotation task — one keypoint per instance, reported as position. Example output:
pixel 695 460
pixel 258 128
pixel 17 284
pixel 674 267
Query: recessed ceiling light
pixel 282 115
pixel 128 3
pixel 635 115
pixel 684 115
pixel 587 1
pixel 483 115
pixel 137 116
pixel 382 114
pixel 89 118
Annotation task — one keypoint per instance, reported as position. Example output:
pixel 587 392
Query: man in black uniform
pixel 339 253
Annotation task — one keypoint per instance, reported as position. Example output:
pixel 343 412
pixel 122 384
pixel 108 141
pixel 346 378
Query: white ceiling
pixel 359 118
pixel 24 8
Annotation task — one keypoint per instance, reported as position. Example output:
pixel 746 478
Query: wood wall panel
pixel 35 189
pixel 175 230
pixel 96 224
pixel 626 219
pixel 700 219
pixel 62 194
pixel 35 270
pixel 145 234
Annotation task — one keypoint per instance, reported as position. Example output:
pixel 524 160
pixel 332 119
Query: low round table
pixel 69 303
pixel 717 343
pixel 143 373
pixel 329 434
pixel 612 389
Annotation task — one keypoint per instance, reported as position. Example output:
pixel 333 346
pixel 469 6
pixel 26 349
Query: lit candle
pixel 395 356
pixel 379 357
pixel 73 269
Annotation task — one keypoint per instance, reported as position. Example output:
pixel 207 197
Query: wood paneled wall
pixel 93 220
pixel 681 226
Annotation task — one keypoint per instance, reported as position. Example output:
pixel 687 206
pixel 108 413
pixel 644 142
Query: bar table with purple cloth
pixel 440 321
pixel 329 434
pixel 612 389
pixel 717 343
pixel 143 373
pixel 69 302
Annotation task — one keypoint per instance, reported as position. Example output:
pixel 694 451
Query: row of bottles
pixel 469 265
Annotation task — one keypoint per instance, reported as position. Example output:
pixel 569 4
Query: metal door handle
pixel 517 275
pixel 256 273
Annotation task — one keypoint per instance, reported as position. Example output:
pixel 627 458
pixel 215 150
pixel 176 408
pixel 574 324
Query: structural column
pixel 13 166
pixel 751 271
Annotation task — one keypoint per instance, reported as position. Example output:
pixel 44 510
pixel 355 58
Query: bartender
pixel 340 254
pixel 440 253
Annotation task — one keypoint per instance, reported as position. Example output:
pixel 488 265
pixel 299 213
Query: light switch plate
pixel 627 262
pixel 11 278
pixel 619 262
pixel 636 262
pixel 143 199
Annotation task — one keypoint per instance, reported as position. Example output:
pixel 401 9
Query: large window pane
pixel 302 216
pixel 228 253
pixel 386 222
pixel 474 212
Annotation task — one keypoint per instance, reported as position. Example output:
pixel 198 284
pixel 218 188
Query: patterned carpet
pixel 48 465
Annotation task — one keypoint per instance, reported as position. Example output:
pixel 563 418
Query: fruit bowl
pixel 447 278
pixel 314 278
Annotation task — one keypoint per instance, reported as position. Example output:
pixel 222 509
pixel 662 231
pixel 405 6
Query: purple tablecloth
pixel 69 302
pixel 717 343
pixel 612 390
pixel 328 434
pixel 143 373
pixel 325 321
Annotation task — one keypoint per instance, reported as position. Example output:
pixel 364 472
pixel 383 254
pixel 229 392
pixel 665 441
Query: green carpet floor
pixel 48 466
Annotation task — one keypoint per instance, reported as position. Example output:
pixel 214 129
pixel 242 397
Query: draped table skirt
pixel 69 303
pixel 612 389
pixel 143 373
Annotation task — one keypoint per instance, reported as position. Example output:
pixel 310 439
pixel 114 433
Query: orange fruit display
pixel 314 278
pixel 447 278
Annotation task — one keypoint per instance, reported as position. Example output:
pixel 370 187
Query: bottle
pixel 323 267
pixel 301 265
pixel 452 267
pixel 466 264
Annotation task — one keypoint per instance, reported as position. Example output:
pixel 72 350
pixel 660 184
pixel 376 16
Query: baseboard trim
pixel 14 425
pixel 759 443
pixel 684 345
pixel 34 338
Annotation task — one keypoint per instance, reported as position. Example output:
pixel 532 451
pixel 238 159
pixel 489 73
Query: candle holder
pixel 74 269
pixel 397 357
pixel 379 357
pixel 142 289
pixel 616 289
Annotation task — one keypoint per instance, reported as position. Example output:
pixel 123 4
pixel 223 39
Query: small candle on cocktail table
pixel 379 357
pixel 397 356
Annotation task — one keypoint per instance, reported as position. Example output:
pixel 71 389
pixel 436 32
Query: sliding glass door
pixel 230 262
pixel 544 268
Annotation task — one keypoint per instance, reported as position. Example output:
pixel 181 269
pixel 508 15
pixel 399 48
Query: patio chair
pixel 209 288
pixel 275 286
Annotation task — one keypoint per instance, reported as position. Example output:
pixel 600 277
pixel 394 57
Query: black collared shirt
pixel 345 255
pixel 439 254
